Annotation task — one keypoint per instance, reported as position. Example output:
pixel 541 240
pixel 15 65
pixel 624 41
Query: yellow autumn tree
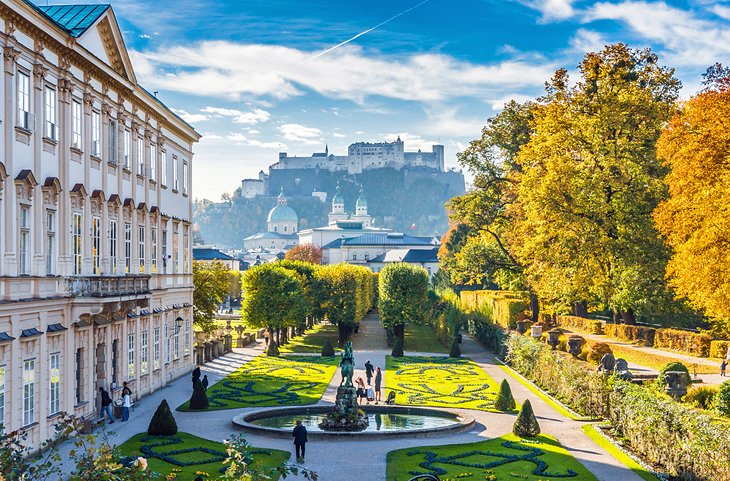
pixel 695 219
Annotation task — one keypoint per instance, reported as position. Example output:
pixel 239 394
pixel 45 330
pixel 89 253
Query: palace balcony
pixel 108 286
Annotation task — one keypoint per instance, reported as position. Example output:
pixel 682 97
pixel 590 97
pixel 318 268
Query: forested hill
pixel 397 199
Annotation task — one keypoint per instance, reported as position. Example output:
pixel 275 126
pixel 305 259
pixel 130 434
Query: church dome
pixel 282 213
pixel 338 199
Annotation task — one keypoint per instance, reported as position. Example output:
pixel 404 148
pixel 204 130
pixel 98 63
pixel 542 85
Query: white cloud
pixel 233 70
pixel 689 40
pixel 191 118
pixel 338 135
pixel 551 9
pixel 721 11
pixel 251 117
pixel 447 122
pixel 253 132
pixel 412 142
pixel 301 133
pixel 587 41
pixel 145 36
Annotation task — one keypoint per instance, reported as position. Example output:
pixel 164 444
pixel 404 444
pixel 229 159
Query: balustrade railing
pixel 107 286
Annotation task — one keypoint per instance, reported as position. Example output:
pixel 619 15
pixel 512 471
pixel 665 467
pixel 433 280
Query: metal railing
pixel 107 286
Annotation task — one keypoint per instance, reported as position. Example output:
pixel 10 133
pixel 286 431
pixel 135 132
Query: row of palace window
pixel 26 120
pixel 172 351
pixel 77 244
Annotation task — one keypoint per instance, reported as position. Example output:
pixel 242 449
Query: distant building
pixel 426 258
pixel 250 188
pixel 365 156
pixel 364 248
pixel 209 255
pixel 282 225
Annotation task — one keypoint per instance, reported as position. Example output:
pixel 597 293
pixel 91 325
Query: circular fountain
pixel 390 421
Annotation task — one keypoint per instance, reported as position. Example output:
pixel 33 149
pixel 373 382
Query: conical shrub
pixel 328 350
pixel 162 422
pixel 398 347
pixel 455 349
pixel 505 401
pixel 272 350
pixel 526 425
pixel 199 399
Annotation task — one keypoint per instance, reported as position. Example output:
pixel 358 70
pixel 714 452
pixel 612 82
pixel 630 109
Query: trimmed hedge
pixel 719 349
pixel 502 307
pixel 635 334
pixel 590 326
pixel 687 342
pixel 689 445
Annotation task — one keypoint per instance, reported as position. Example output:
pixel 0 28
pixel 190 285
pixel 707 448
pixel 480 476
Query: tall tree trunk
pixel 580 308
pixel 629 317
pixel 344 331
pixel 616 317
pixel 399 331
pixel 534 307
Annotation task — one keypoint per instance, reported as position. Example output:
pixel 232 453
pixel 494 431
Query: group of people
pixel 368 393
pixel 106 403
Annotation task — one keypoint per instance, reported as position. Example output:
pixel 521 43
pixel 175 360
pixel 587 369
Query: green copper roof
pixel 361 201
pixel 338 199
pixel 282 213
pixel 74 19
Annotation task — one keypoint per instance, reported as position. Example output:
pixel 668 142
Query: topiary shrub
pixel 328 350
pixel 597 351
pixel 272 350
pixel 455 349
pixel 722 399
pixel 505 401
pixel 398 347
pixel 162 422
pixel 526 425
pixel 199 399
pixel 702 397
pixel 671 366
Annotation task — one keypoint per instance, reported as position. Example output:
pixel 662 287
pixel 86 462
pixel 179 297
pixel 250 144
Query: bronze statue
pixel 347 364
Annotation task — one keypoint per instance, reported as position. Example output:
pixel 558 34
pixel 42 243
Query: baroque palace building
pixel 95 209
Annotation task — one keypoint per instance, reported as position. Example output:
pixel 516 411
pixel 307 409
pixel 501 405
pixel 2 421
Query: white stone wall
pixel 55 271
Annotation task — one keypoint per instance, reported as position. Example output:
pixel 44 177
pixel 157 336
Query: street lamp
pixel 177 326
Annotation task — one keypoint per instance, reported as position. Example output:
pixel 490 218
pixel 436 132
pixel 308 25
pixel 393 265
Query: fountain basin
pixel 384 421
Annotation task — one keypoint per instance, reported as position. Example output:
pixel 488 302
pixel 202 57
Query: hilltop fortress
pixel 361 156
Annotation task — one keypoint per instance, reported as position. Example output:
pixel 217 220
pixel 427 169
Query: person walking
pixel 369 371
pixel 300 439
pixel 205 382
pixel 106 402
pixel 360 392
pixel 378 382
pixel 126 404
pixel 723 366
pixel 126 389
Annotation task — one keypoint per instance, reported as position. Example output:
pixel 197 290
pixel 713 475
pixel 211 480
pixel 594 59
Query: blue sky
pixel 243 72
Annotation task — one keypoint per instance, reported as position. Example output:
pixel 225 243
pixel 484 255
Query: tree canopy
pixel 210 288
pixel 402 296
pixel 305 253
pixel 695 218
pixel 273 297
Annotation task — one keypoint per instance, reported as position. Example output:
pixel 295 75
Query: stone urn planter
pixel 536 331
pixel 522 326
pixel 239 339
pixel 676 384
pixel 554 338
pixel 575 345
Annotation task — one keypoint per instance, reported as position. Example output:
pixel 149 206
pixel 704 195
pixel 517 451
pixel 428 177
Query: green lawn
pixel 272 381
pixel 312 340
pixel 504 458
pixel 202 455
pixel 419 338
pixel 440 382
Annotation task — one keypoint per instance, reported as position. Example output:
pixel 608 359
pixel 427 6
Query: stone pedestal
pixel 199 355
pixel 347 416
pixel 228 342
pixel 208 350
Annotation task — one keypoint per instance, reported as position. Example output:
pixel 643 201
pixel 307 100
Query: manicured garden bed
pixel 441 382
pixel 187 454
pixel 507 457
pixel 312 340
pixel 272 381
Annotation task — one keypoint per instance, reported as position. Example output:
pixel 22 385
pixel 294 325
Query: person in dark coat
pixel 205 382
pixel 196 375
pixel 300 439
pixel 106 403
pixel 369 369
pixel 378 385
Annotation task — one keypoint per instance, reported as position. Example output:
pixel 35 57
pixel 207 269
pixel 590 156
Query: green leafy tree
pixel 344 294
pixel 588 181
pixel 240 465
pixel 273 298
pixel 234 284
pixel 402 296
pixel 210 288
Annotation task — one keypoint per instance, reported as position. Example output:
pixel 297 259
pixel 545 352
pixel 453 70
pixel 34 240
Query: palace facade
pixel 95 209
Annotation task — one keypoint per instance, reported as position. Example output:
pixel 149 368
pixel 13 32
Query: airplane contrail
pixel 367 31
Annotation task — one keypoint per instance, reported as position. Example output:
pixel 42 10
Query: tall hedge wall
pixel 504 307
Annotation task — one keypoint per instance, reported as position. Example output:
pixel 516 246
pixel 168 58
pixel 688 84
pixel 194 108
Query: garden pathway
pixel 357 460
